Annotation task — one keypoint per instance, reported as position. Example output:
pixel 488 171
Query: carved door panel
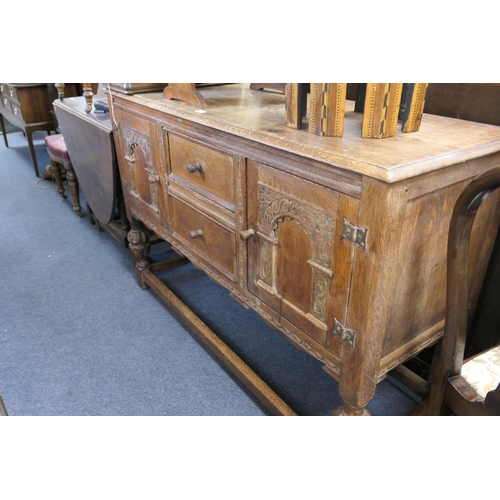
pixel 140 165
pixel 298 263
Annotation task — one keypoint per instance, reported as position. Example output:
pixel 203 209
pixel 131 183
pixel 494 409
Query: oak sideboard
pixel 337 242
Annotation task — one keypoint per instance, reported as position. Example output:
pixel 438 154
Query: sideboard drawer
pixel 16 110
pixel 209 171
pixel 6 103
pixel 204 236
pixel 11 92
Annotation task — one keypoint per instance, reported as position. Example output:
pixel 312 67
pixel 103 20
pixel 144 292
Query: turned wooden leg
pixel 348 411
pixel 88 94
pixel 56 172
pixel 139 246
pixel 73 186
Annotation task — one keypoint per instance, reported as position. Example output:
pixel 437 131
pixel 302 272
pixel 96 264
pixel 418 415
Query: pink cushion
pixel 57 146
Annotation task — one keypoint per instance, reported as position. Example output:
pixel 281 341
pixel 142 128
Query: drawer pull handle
pixel 5 100
pixel 247 234
pixel 11 92
pixel 1 88
pixel 154 178
pixel 198 233
pixel 194 167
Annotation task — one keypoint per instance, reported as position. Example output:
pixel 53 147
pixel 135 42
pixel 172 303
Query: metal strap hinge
pixel 343 333
pixel 354 234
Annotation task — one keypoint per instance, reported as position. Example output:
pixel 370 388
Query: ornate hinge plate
pixel 354 234
pixel 343 333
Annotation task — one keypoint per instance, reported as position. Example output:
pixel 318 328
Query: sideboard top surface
pixel 260 116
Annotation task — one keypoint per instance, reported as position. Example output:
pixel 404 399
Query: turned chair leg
pixel 73 186
pixel 56 172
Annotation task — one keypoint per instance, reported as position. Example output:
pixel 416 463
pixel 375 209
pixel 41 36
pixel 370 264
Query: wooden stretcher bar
pixel 230 359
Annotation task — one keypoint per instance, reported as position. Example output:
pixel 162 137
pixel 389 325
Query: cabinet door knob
pixel 194 167
pixel 154 178
pixel 247 234
pixel 198 233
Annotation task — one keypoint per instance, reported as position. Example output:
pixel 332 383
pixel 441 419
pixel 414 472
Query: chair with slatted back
pixel 471 387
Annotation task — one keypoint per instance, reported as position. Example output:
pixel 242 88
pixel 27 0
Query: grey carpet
pixel 79 337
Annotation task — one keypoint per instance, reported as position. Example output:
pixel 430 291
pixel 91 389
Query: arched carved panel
pixel 276 209
pixel 139 157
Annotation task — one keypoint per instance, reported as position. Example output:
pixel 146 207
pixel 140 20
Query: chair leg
pixel 73 186
pixel 56 171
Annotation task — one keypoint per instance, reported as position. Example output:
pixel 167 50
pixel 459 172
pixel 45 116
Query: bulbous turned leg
pixel 348 411
pixel 56 172
pixel 139 246
pixel 73 187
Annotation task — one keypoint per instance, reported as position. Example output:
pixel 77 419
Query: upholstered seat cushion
pixel 56 146
pixel 483 371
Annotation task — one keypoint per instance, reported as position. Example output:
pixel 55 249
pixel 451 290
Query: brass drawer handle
pixel 194 167
pixel 198 233
pixel 247 234
pixel 154 178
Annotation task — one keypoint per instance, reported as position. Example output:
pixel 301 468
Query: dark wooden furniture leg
pixel 139 246
pixel 56 172
pixel 29 136
pixel 3 410
pixel 73 187
pixel 4 133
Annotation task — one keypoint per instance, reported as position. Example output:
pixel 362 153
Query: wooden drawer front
pixel 6 103
pixel 206 170
pixel 16 111
pixel 11 92
pixel 204 237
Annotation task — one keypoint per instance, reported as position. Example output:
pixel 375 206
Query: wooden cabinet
pixel 27 106
pixel 339 243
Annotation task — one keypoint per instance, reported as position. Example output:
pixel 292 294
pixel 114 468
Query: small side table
pixel 27 106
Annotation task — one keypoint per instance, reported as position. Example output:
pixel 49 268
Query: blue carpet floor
pixel 79 337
